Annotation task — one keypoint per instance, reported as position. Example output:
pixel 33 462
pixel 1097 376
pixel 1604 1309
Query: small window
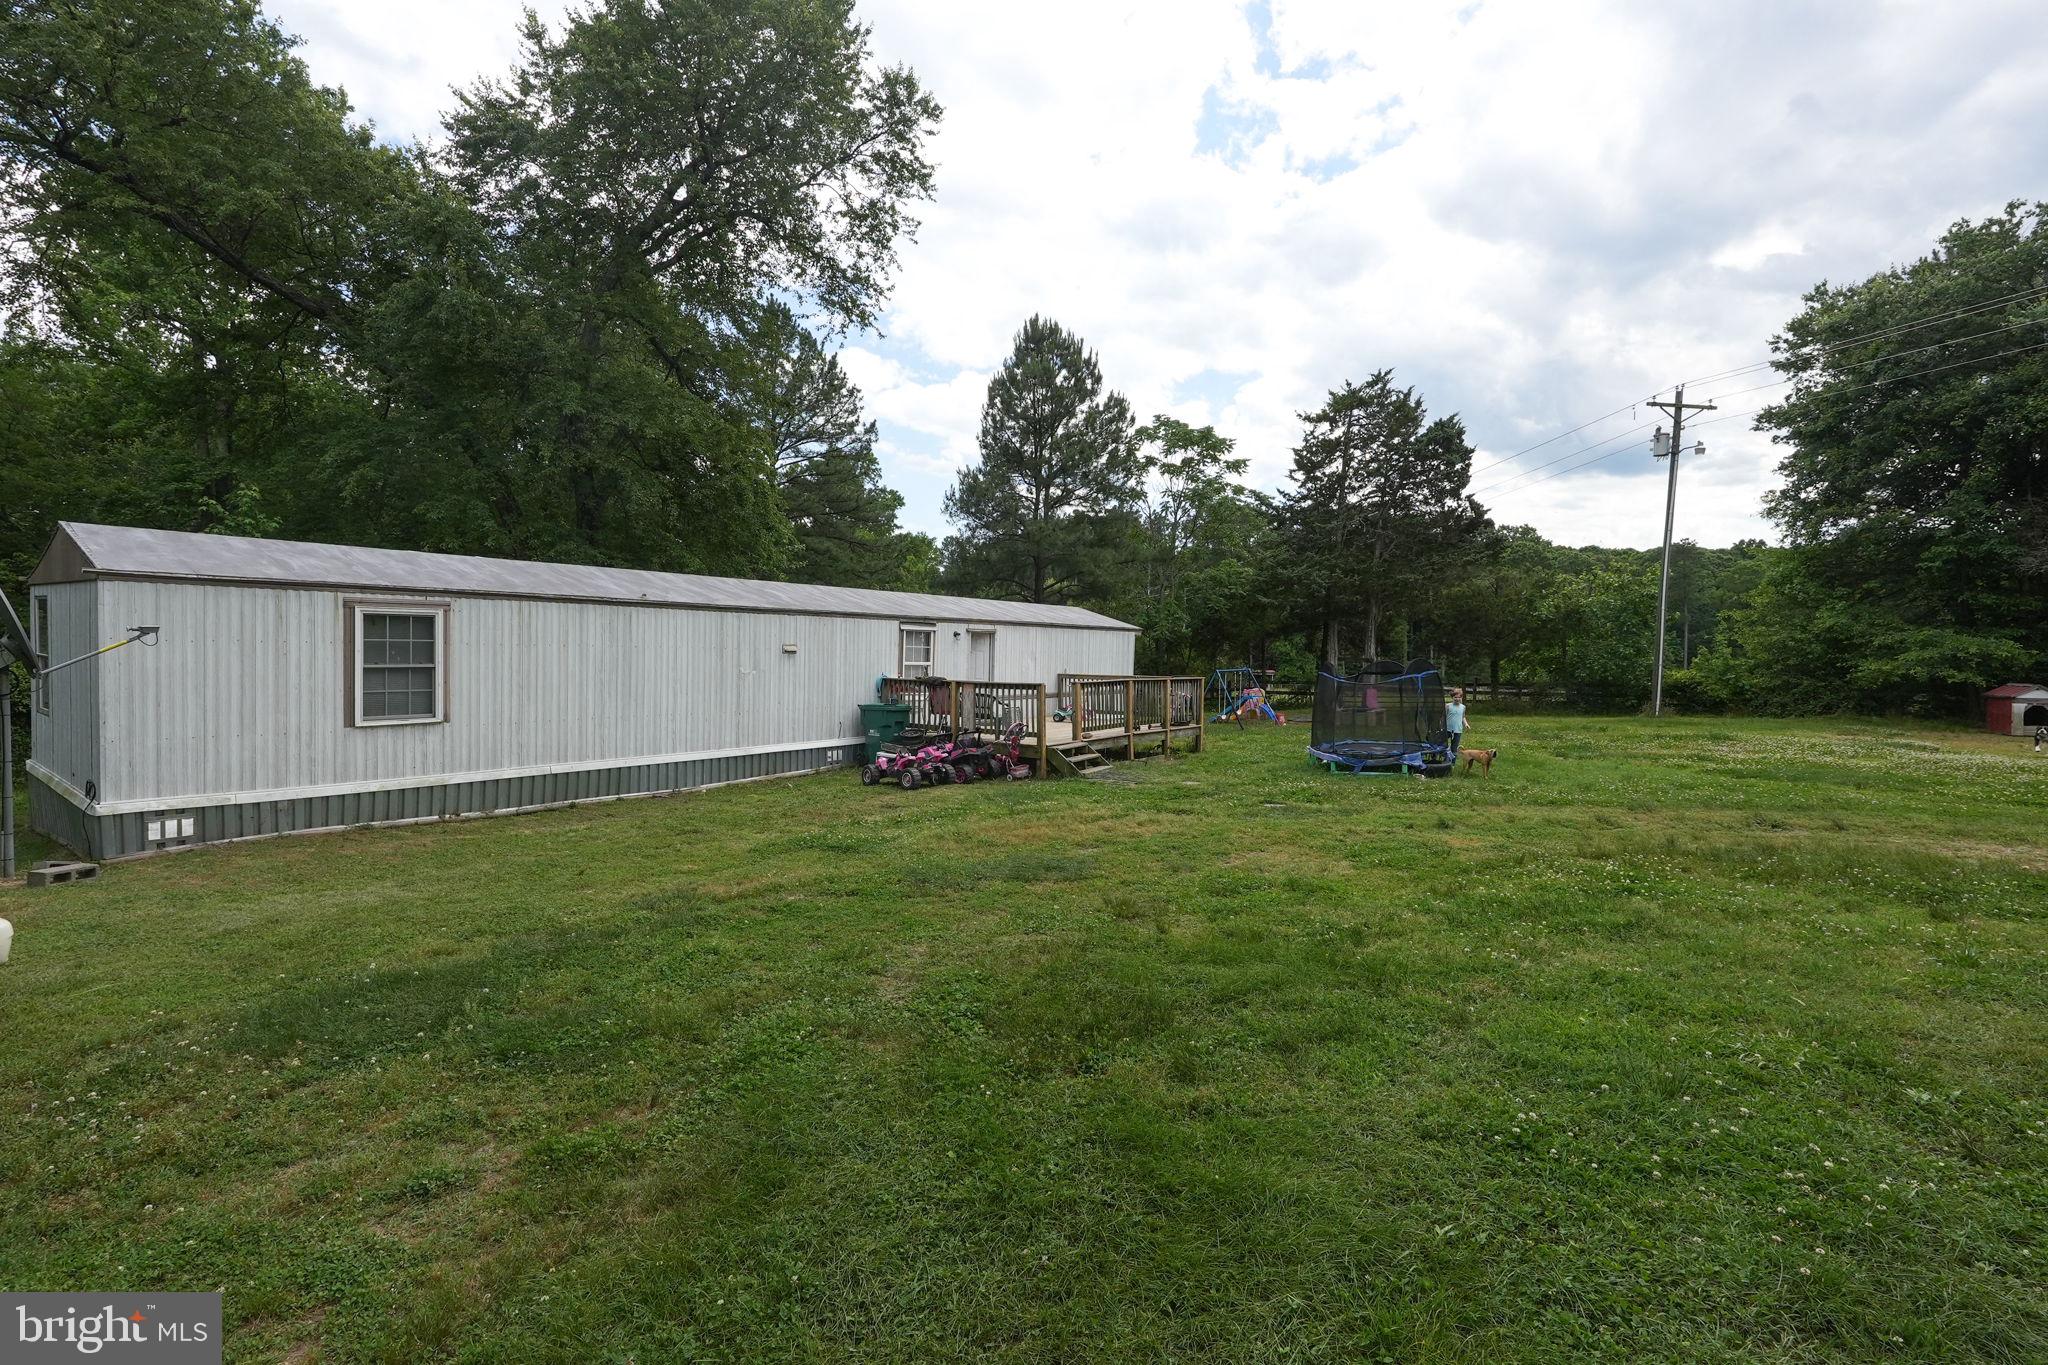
pixel 41 645
pixel 916 652
pixel 398 666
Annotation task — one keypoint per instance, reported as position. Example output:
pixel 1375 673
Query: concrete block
pixel 51 873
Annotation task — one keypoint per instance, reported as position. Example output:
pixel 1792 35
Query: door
pixel 981 655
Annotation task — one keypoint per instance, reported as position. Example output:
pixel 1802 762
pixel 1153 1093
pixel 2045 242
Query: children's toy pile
pixel 960 758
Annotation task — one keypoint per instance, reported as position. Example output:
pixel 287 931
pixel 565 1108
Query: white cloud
pixel 949 409
pixel 1532 212
pixel 1754 248
pixel 401 59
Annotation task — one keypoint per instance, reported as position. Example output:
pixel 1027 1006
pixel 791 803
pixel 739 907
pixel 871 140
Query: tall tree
pixel 823 446
pixel 533 342
pixel 659 170
pixel 1048 512
pixel 125 124
pixel 1595 626
pixel 1915 495
pixel 1488 611
pixel 200 238
pixel 1377 506
pixel 1194 586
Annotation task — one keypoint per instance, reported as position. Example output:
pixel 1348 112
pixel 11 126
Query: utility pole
pixel 6 767
pixel 1677 407
pixel 14 644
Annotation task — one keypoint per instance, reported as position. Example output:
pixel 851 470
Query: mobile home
pixel 296 686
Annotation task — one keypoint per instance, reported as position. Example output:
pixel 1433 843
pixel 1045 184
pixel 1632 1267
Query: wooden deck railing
pixel 1114 711
pixel 1122 709
pixel 959 706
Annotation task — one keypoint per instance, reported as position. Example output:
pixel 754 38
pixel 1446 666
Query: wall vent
pixel 169 828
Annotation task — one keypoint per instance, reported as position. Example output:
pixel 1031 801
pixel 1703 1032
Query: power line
pixel 1625 407
pixel 1571 469
pixel 1889 379
pixel 1751 412
pixel 1896 355
pixel 2028 294
pixel 1568 455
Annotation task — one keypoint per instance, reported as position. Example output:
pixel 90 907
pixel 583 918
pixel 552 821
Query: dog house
pixel 2016 709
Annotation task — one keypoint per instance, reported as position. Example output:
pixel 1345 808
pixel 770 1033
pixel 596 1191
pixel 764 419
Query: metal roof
pixel 130 551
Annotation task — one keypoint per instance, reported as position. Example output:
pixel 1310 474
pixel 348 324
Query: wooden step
pixel 1079 757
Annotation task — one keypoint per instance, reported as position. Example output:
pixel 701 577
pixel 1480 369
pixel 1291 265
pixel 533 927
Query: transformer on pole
pixel 1668 448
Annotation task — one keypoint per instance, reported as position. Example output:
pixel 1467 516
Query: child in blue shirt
pixel 1454 719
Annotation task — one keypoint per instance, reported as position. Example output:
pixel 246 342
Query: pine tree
pixel 1377 505
pixel 841 515
pixel 1047 511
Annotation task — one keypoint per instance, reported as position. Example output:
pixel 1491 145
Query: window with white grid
pixel 915 653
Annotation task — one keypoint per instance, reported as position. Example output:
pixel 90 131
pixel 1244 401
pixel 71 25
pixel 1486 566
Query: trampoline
pixel 1388 719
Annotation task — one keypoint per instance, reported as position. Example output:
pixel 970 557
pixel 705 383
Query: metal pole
pixel 1664 580
pixel 6 770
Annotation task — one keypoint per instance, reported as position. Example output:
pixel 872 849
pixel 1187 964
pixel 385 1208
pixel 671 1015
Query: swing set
pixel 1241 692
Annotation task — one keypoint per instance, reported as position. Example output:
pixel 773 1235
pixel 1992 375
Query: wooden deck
pixel 1122 716
pixel 1110 717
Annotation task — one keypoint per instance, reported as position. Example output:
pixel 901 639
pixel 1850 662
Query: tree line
pixel 1913 506
pixel 594 321
pixel 1372 550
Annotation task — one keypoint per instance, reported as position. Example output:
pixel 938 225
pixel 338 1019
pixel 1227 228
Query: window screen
pixel 917 651
pixel 401 666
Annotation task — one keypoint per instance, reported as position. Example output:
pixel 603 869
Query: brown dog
pixel 1483 757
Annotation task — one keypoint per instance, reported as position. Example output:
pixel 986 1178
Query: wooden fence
pixel 1301 697
pixel 1564 696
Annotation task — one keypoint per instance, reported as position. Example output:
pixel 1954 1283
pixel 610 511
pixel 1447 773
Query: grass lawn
pixel 1692 1041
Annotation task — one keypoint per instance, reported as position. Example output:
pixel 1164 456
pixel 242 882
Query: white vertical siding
pixel 66 740
pixel 244 692
pixel 1042 653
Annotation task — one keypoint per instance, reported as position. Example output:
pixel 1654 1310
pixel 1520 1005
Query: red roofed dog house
pixel 2016 709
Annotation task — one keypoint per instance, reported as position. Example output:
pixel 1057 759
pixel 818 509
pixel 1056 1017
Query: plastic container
pixel 881 722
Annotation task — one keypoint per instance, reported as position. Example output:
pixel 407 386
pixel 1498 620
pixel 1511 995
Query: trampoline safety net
pixel 1388 717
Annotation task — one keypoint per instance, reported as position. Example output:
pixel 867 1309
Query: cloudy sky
pixel 1533 212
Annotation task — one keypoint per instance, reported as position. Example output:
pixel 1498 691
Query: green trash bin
pixel 881 722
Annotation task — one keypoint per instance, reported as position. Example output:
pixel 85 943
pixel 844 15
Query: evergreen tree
pixel 1377 508
pixel 1048 513
pixel 841 515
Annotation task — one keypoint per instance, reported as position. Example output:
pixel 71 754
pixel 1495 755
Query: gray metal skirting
pixel 102 837
pixel 51 814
